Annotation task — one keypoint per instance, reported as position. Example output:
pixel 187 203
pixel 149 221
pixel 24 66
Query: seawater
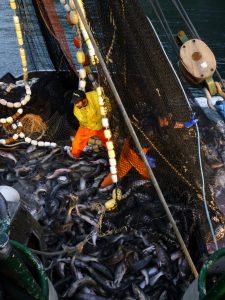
pixel 207 16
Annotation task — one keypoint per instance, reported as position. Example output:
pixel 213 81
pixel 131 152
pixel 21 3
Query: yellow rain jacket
pixel 89 116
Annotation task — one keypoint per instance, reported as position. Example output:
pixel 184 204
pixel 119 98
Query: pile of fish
pixel 129 253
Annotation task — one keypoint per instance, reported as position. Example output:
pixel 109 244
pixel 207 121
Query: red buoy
pixel 77 42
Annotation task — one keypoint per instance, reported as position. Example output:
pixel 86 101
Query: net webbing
pixel 149 91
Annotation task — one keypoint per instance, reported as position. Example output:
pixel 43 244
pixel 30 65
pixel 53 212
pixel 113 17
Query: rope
pixel 203 191
pixel 136 142
pixel 166 27
pixel 198 141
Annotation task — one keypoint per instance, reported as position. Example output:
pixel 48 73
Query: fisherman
pixel 130 159
pixel 87 111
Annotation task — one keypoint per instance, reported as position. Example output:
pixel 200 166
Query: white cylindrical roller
pixel 3 120
pixel 100 100
pixel 111 154
pixel 9 120
pixel 27 140
pixel 112 161
pixel 47 144
pixel 91 51
pixel 82 84
pixel 71 4
pixel 114 178
pixel 13 5
pixel 109 145
pixel 28 92
pixel 74 17
pixel 24 61
pixel 20 111
pixel 22 135
pixel 27 98
pixel 19 124
pixel 17 104
pixel 105 122
pixel 67 7
pixel 19 34
pixel 18 30
pixel 41 144
pixel 15 136
pixel 113 170
pixel 24 101
pixel 33 142
pixel 9 88
pixel 2 141
pixel 88 43
pixel 53 145
pixel 22 52
pixel 63 2
pixel 99 91
pixel 20 41
pixel 3 102
pixel 107 133
pixel 14 126
pixel 84 32
pixel 16 19
pixel 102 110
pixel 17 27
pixel 82 73
pixel 9 104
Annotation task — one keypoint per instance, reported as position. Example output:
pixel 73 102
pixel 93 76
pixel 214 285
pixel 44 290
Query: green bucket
pixel 213 266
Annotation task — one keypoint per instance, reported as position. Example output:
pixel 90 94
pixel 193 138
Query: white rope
pixel 198 141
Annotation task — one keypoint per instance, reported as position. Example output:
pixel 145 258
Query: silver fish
pixel 9 156
pixel 119 273
pixel 144 272
pixel 31 149
pixel 58 173
pixel 78 284
pixel 139 294
pixel 155 278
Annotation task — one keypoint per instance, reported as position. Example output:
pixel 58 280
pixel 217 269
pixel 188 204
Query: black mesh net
pixel 41 43
pixel 156 105
pixel 151 95
pixel 37 54
pixel 150 91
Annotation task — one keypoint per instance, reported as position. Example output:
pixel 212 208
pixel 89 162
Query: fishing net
pixel 48 115
pixel 33 126
pixel 46 50
pixel 43 46
pixel 150 93
pixel 153 99
pixel 59 190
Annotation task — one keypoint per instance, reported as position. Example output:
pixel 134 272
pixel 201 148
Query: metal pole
pixel 136 141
